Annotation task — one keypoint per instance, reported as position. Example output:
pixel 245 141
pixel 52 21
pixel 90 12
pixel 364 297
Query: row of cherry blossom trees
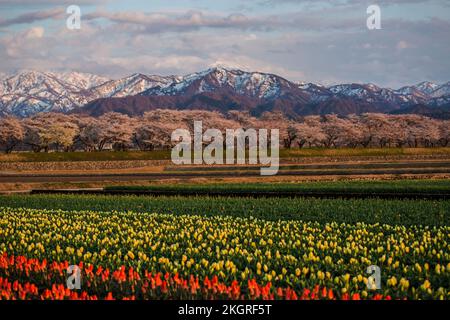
pixel 152 131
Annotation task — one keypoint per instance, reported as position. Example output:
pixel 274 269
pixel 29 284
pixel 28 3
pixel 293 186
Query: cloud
pixel 28 18
pixel 320 44
pixel 401 45
pixel 34 33
pixel 162 22
pixel 191 20
pixel 335 3
pixel 325 57
pixel 18 3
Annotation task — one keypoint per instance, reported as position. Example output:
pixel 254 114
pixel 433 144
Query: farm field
pixel 138 255
pixel 192 245
pixel 95 174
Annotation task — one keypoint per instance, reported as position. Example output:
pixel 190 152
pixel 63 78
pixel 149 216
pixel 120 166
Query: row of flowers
pixel 47 281
pixel 414 260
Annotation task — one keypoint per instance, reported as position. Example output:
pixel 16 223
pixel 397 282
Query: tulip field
pixel 371 211
pixel 142 254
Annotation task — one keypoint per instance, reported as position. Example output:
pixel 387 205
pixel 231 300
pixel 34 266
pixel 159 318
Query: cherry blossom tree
pixel 334 129
pixel 444 133
pixel 47 129
pixel 309 132
pixel 354 132
pixel 89 135
pixel 116 129
pixel 148 137
pixel 11 133
pixel 56 131
pixel 376 129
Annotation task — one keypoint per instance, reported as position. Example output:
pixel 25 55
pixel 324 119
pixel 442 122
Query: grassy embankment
pixel 391 186
pixel 165 155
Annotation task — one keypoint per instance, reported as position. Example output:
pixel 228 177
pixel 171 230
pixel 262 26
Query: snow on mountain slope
pixel 3 76
pixel 132 85
pixel 441 101
pixel 317 93
pixel 441 91
pixel 84 81
pixel 427 87
pixel 353 90
pixel 30 92
pixel 427 91
pixel 251 84
pixel 420 93
pixel 372 93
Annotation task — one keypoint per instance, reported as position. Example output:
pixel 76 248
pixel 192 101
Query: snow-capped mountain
pixel 132 85
pixel 412 93
pixel 368 93
pixel 441 101
pixel 29 92
pixel 427 87
pixel 317 92
pixel 217 89
pixel 424 89
pixel 84 81
pixel 250 84
pixel 3 76
pixel 429 90
pixel 441 91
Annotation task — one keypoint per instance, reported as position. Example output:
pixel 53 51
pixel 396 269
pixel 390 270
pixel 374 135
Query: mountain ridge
pixel 218 88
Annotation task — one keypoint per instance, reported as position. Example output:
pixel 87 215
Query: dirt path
pixel 44 178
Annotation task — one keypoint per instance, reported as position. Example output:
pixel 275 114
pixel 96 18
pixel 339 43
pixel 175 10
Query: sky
pixel 318 41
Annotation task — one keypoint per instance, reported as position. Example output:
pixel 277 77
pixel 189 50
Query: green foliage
pixel 392 186
pixel 393 212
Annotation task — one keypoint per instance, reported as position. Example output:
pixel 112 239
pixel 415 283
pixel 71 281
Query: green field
pixel 389 186
pixel 393 212
pixel 166 154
